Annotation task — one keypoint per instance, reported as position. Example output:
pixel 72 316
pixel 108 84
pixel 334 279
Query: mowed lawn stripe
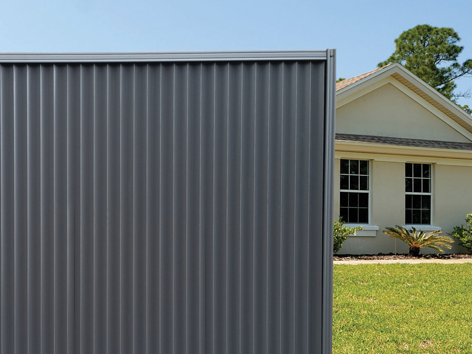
pixel 402 308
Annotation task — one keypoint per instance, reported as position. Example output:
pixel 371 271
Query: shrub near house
pixel 340 234
pixel 464 233
pixel 418 239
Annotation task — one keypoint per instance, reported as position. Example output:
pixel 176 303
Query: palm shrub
pixel 418 239
pixel 340 234
pixel 464 234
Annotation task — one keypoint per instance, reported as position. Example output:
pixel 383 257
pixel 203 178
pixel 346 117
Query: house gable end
pixel 391 109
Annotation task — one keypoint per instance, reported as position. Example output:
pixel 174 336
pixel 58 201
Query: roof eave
pixel 374 75
pixel 382 149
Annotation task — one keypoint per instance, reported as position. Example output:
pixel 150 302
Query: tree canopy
pixel 431 53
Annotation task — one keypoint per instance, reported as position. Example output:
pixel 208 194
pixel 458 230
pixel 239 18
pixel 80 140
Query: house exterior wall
pixel 387 111
pixel 451 200
pixel 385 104
pixel 453 197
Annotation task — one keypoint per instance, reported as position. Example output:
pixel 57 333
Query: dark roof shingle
pixel 435 144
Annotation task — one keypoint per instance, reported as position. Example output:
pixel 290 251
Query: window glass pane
pixel 417 170
pixel 354 183
pixel 426 171
pixel 343 213
pixel 408 170
pixel 354 176
pixel 364 167
pixel 417 185
pixel 409 201
pixel 416 201
pixel 409 184
pixel 426 186
pixel 416 216
pixel 425 202
pixel 418 207
pixel 352 215
pixel 345 166
pixel 353 200
pixel 354 167
pixel 426 217
pixel 363 215
pixel 364 183
pixel 344 182
pixel 408 216
pixel 363 200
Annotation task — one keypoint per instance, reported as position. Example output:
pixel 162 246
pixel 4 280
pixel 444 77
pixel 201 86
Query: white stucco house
pixel 403 157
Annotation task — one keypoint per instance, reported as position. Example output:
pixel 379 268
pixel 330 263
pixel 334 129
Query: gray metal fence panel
pixel 164 207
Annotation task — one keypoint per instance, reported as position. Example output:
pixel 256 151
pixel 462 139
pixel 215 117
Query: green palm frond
pixel 420 239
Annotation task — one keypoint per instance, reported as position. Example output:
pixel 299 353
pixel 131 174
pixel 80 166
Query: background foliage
pixel 431 53
pixel 340 234
pixel 464 233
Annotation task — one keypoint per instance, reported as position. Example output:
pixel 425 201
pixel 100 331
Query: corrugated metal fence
pixel 162 207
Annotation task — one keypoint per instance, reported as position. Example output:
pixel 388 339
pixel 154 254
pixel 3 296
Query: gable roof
pixel 346 87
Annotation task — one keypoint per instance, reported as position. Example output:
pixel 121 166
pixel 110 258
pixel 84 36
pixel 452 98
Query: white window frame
pixel 369 179
pixel 421 226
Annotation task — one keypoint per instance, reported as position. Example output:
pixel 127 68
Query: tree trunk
pixel 414 251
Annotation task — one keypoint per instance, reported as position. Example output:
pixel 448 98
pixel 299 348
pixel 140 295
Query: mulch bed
pixel 391 256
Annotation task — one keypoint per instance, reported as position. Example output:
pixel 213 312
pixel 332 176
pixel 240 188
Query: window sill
pixel 367 230
pixel 422 227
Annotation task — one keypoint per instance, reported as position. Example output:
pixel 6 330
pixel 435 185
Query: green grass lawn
pixel 402 308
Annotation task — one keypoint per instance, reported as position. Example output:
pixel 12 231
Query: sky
pixel 361 31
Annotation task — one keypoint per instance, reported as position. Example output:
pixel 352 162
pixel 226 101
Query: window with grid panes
pixel 354 189
pixel 418 193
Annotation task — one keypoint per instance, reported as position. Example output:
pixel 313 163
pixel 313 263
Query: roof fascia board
pixel 381 73
pixel 361 90
pixel 162 56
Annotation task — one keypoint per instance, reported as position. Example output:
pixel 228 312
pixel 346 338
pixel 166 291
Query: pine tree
pixel 431 53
